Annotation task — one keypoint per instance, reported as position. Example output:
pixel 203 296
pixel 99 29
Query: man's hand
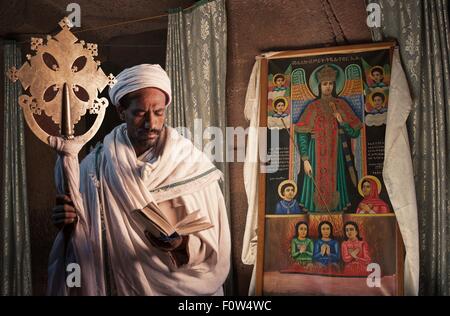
pixel 174 245
pixel 165 244
pixel 64 212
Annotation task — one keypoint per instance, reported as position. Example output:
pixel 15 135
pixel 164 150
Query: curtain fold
pixel 422 31
pixel 196 63
pixel 15 273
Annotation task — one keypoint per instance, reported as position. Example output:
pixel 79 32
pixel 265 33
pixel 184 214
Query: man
pixel 142 161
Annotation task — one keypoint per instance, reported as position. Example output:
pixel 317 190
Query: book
pixel 152 219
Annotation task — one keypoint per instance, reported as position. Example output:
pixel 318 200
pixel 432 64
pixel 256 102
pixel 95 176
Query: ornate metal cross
pixel 62 80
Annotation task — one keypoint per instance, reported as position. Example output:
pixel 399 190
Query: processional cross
pixel 63 81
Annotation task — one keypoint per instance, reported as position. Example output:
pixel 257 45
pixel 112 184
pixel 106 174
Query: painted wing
pixel 353 89
pixel 301 95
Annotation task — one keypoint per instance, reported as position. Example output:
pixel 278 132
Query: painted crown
pixel 327 73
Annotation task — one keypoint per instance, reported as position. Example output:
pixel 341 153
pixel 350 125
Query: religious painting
pixel 328 224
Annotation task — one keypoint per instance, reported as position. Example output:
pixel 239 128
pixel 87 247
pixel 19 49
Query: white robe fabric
pixel 182 180
pixel 397 172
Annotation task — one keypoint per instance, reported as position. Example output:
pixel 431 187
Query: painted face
pixel 302 231
pixel 279 107
pixel 327 87
pixel 350 232
pixel 377 76
pixel 326 231
pixel 366 188
pixel 145 117
pixel 378 102
pixel 279 82
pixel 289 193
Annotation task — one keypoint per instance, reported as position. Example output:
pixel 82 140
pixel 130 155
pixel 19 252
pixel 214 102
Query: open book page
pixel 192 224
pixel 152 219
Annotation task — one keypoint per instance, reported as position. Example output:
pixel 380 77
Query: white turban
pixel 138 77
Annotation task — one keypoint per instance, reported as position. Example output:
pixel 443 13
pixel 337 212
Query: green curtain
pixel 15 271
pixel 422 31
pixel 196 63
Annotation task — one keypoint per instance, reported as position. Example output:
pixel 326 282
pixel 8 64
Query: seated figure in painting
pixel 288 205
pixel 301 245
pixel 355 251
pixel 326 248
pixel 370 187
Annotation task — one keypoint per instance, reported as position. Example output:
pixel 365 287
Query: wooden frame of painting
pixel 325 223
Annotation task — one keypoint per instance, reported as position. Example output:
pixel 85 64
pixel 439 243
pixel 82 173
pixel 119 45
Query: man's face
pixel 144 117
pixel 377 76
pixel 378 102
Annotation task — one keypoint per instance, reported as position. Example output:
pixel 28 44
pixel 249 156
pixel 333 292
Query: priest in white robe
pixel 140 161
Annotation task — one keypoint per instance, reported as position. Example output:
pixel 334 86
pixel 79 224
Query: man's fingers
pixel 64 209
pixel 64 214
pixel 63 199
pixel 64 221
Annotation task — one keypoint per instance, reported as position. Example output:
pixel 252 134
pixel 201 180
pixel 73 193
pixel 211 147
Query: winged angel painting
pixel 327 120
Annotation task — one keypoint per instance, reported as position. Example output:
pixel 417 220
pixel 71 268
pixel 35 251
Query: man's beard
pixel 143 139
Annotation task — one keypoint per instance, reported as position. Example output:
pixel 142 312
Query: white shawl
pixel 123 183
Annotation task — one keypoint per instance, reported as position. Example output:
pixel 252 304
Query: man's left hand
pixel 165 243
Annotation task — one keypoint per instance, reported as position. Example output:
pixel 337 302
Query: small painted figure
pixel 326 248
pixel 280 107
pixel 377 74
pixel 355 251
pixel 370 187
pixel 288 205
pixel 301 245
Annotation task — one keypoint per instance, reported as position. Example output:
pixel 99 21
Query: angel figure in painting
pixel 323 133
pixel 377 75
pixel 279 107
pixel 301 245
pixel 370 187
pixel 355 251
pixel 280 88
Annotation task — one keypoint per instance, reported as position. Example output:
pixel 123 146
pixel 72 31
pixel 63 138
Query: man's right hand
pixel 64 212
